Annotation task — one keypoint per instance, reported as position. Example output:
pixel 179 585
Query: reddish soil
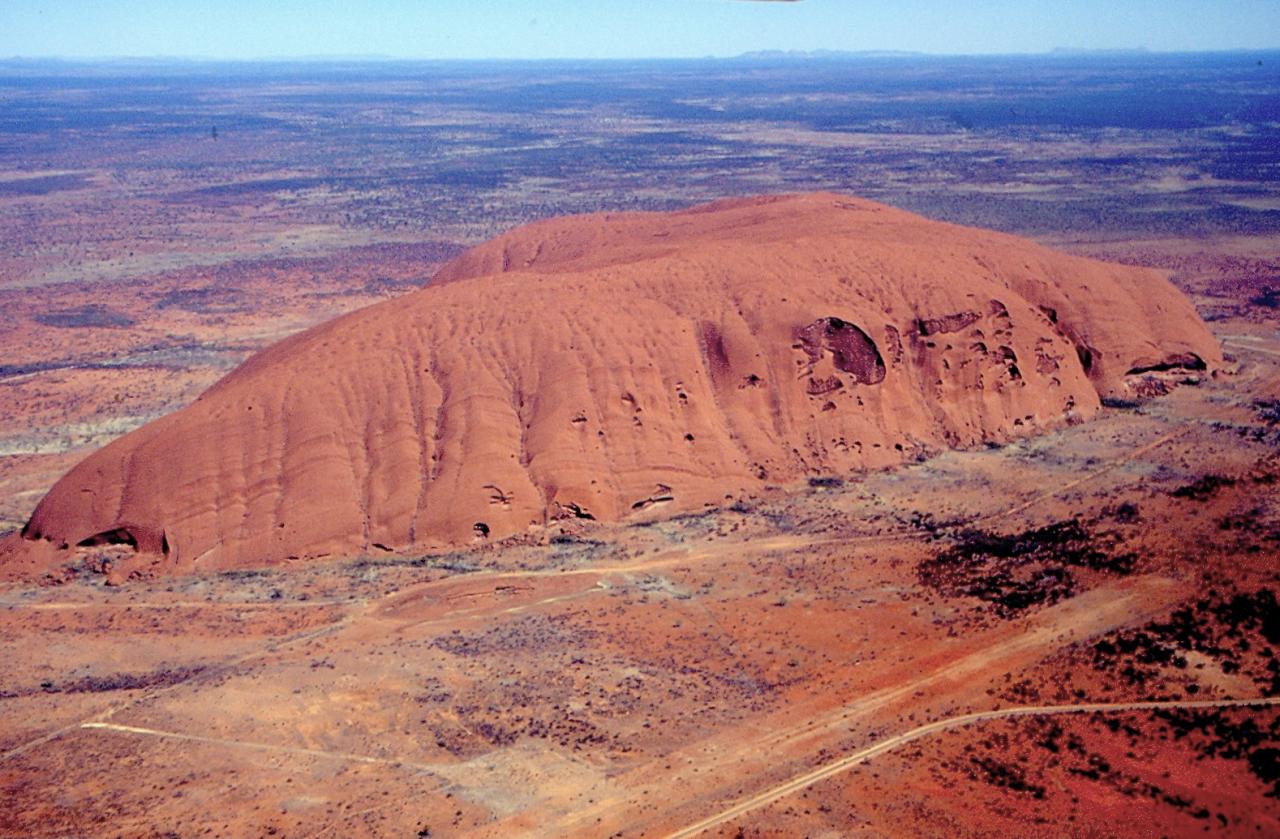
pixel 96 359
pixel 790 661
pixel 593 367
pixel 638 679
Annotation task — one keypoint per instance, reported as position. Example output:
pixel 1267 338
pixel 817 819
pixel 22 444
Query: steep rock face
pixel 596 366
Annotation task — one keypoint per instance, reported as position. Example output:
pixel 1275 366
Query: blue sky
pixel 620 28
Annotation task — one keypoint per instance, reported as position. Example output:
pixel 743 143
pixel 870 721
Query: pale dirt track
pixel 1088 476
pixel 1032 641
pixel 769 796
pixel 835 767
pixel 701 772
pixel 396 612
pixel 1248 346
pixel 667 559
pixel 60 606
pixel 739 549
pixel 218 671
pixel 376 609
pixel 249 744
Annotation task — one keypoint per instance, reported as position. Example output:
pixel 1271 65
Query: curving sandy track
pixel 708 772
pixel 835 767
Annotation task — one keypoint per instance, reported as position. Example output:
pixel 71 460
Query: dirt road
pixel 889 743
pixel 708 772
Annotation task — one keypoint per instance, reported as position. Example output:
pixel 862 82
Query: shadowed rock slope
pixel 599 366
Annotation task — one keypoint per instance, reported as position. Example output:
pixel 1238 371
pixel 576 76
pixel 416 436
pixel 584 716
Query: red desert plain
pixel 588 513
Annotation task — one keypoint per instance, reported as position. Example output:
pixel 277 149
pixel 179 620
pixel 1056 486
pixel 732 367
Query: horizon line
pixel 377 58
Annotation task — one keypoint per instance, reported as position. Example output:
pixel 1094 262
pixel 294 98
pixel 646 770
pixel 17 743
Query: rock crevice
pixel 700 353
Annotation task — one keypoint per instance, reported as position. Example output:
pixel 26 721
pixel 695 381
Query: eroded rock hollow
pixel 601 365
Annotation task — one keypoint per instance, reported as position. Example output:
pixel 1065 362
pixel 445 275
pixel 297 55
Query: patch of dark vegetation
pixel 1231 737
pixel 931 524
pixel 213 299
pixel 574 540
pixel 163 677
pixel 1250 524
pixel 1071 751
pixel 1268 410
pixel 245 574
pixel 571 548
pixel 42 185
pixel 689 525
pixel 1007 776
pixel 91 316
pixel 488 726
pixel 12 370
pixel 1096 768
pixel 1016 572
pixel 259 186
pixel 698 517
pixel 434 692
pixel 535 632
pixel 455 562
pixel 1203 487
pixel 826 482
pixel 1225 628
pixel 1120 404
pixel 394 285
pixel 1268 299
pixel 1125 513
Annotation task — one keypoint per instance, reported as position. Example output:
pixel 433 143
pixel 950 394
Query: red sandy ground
pixel 636 680
pixel 595 365
pixel 164 339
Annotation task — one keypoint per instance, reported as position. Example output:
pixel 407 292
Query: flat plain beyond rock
pixel 1069 631
pixel 615 365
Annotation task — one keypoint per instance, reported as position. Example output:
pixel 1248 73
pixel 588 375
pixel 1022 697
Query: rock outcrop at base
pixel 600 365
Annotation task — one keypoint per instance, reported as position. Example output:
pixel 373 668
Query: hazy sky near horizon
pixel 619 28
